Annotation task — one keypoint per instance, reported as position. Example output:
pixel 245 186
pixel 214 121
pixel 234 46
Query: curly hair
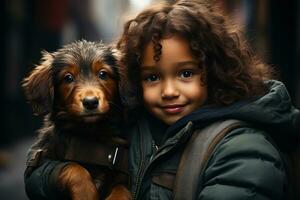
pixel 233 71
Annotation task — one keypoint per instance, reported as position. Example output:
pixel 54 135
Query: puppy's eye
pixel 103 75
pixel 68 78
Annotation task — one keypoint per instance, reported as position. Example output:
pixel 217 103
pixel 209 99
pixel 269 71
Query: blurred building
pixel 272 28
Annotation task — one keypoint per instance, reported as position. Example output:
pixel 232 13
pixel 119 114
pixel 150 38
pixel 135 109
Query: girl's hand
pixel 76 182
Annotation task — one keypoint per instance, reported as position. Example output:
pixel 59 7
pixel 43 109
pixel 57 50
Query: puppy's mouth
pixel 91 117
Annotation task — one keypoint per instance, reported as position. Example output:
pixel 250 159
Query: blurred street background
pixel 30 26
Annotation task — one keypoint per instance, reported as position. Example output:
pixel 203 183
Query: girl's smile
pixel 173 109
pixel 172 86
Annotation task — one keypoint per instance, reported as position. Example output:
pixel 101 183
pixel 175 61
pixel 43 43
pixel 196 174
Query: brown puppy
pixel 76 89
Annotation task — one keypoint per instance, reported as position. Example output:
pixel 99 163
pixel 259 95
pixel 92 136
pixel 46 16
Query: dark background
pixel 29 26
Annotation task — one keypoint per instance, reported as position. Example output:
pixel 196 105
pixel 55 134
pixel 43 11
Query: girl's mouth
pixel 173 109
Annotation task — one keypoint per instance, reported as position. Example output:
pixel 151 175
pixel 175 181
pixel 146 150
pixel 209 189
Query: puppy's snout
pixel 90 102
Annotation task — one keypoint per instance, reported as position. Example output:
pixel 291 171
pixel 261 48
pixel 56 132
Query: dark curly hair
pixel 233 72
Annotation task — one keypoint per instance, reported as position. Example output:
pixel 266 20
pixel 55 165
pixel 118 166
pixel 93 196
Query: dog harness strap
pixel 97 153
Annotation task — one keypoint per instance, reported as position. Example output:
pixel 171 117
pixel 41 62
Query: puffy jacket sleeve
pixel 40 183
pixel 40 175
pixel 245 165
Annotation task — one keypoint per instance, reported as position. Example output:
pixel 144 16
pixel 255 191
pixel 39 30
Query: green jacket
pixel 245 164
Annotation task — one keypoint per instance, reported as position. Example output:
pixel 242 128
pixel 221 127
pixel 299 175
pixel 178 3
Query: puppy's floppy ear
pixel 38 86
pixel 128 85
pixel 117 56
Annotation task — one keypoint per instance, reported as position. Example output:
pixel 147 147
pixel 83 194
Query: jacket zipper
pixel 139 179
pixel 159 153
pixel 141 168
pixel 141 171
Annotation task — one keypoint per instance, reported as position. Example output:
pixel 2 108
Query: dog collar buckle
pixel 112 158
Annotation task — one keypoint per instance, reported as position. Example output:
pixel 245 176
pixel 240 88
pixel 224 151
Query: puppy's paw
pixel 119 192
pixel 77 183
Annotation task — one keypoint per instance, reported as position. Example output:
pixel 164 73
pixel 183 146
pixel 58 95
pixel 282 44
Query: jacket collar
pixel 205 115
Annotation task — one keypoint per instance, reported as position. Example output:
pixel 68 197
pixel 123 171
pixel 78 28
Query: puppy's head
pixel 78 81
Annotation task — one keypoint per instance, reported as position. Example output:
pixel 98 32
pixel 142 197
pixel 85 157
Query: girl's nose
pixel 169 90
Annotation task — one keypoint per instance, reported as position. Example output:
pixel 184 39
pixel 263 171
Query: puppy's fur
pixel 76 89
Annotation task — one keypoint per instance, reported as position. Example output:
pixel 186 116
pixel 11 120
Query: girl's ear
pixel 38 86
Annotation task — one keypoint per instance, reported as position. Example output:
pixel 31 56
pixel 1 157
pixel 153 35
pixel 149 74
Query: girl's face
pixel 172 87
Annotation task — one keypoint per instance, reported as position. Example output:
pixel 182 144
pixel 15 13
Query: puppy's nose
pixel 90 102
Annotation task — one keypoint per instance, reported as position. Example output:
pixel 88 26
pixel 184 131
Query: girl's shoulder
pixel 232 139
pixel 246 161
pixel 248 141
pixel 246 158
pixel 235 159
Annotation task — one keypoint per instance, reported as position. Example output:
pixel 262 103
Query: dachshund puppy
pixel 76 90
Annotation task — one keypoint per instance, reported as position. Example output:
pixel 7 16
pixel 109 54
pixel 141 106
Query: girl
pixel 186 67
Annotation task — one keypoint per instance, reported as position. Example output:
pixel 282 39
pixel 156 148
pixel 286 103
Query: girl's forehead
pixel 173 49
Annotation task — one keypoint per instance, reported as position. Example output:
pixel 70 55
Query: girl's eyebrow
pixel 176 64
pixel 184 63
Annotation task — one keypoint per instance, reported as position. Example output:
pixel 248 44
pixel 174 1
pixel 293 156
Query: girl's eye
pixel 151 78
pixel 186 74
pixel 68 78
pixel 103 75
